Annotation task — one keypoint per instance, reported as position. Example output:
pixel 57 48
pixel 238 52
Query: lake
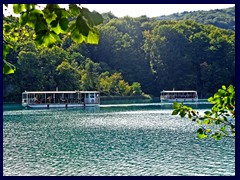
pixel 112 140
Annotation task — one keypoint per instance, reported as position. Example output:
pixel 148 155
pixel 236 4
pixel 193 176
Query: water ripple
pixel 130 142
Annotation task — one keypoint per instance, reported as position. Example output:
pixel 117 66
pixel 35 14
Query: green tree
pixel 49 60
pixel 136 88
pixel 68 71
pixel 104 85
pixel 124 88
pixel 169 58
pixel 114 84
pixel 219 121
pixel 89 75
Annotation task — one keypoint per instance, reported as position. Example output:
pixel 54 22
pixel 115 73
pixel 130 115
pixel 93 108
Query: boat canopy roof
pixel 58 92
pixel 178 91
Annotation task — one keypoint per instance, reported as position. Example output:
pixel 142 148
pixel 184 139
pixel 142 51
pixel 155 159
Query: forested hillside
pixel 223 18
pixel 134 55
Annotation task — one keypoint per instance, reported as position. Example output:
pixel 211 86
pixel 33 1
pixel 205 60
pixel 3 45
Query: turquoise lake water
pixel 113 140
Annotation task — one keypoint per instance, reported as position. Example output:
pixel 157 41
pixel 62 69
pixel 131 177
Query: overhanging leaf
pixel 176 105
pixel 223 128
pixel 18 8
pixel 50 38
pixel 93 18
pixel 41 24
pixel 208 113
pixel 64 23
pixel 206 121
pixel 33 17
pixel 74 9
pixel 5 51
pixel 23 19
pixel 49 16
pixel 201 133
pixel 97 18
pixel 93 37
pixel 231 89
pixel 82 26
pixel 58 29
pixel 54 23
pixel 47 38
pixel 76 36
pixel 8 68
pixel 217 136
pixel 175 112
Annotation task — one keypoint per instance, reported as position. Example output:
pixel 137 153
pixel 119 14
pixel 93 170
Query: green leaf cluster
pixel 53 20
pixel 219 121
pixel 82 28
pixel 50 23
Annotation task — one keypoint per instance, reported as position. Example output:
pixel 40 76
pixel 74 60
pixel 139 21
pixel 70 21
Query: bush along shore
pixel 126 99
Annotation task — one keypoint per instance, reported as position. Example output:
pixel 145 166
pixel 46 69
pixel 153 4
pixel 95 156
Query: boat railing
pixel 61 101
pixel 169 96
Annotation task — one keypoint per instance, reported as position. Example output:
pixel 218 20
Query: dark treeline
pixel 134 55
pixel 223 18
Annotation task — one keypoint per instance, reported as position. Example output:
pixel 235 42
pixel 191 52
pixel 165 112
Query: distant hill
pixel 223 18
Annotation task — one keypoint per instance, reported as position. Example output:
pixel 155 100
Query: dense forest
pixel 134 56
pixel 223 18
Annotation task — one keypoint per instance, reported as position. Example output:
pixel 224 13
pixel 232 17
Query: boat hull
pixel 47 106
pixel 180 100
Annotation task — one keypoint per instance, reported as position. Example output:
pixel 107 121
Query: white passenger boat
pixel 178 96
pixel 60 99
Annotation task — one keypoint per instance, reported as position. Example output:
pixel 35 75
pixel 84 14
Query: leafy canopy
pixel 49 24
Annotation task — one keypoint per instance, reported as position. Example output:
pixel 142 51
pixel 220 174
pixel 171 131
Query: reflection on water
pixel 132 139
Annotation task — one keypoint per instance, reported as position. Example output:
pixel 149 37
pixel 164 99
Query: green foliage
pixel 67 70
pixel 223 18
pixel 188 55
pixel 108 84
pixel 11 34
pixel 8 68
pixel 124 88
pixel 156 54
pixel 219 121
pixel 136 88
pixel 50 23
pixel 115 85
pixel 89 75
pixel 53 20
